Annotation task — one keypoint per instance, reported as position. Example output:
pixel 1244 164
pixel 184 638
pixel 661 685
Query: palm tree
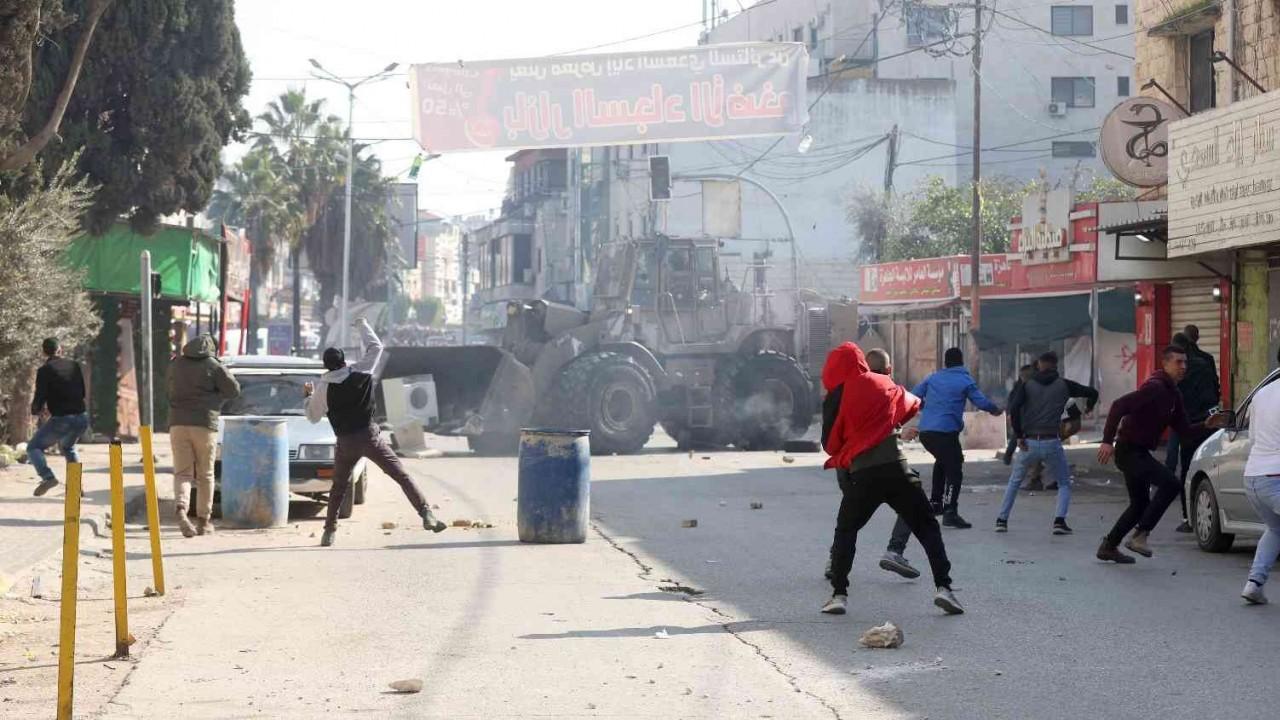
pixel 255 197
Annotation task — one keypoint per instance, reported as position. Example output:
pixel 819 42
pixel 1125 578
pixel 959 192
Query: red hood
pixel 845 362
pixel 871 405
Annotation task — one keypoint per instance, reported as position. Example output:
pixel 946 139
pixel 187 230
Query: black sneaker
pixel 1185 527
pixel 1060 527
pixel 45 486
pixel 952 519
pixel 327 538
pixel 1002 526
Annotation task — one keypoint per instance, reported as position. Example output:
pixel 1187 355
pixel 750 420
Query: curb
pixel 97 522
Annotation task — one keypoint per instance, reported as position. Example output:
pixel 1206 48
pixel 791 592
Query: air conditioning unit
pixel 1058 109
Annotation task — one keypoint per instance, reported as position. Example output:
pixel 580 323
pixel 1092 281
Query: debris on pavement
pixel 788 459
pixel 688 523
pixel 412 685
pixel 886 636
pixel 662 634
pixel 388 525
pixel 149 592
pixel 723 503
pixel 462 523
pixel 757 505
pixel 37 587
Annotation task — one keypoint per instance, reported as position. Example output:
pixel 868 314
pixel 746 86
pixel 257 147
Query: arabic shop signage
pixel 1224 178
pixel 1044 236
pixel 703 93
pixel 931 279
pixel 1135 141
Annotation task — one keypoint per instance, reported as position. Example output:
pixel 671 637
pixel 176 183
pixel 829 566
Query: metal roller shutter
pixel 1193 304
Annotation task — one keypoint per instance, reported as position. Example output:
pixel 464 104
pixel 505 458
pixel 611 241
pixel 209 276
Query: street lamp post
pixel 323 74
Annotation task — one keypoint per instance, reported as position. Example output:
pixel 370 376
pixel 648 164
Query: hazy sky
pixel 359 37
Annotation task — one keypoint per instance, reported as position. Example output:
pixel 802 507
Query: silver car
pixel 1215 483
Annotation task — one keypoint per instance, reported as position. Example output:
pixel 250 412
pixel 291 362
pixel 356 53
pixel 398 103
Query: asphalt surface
pixel 649 619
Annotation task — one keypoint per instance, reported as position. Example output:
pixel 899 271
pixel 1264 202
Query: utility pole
pixel 976 259
pixel 891 162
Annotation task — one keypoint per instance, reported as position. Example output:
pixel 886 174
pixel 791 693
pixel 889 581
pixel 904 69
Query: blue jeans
pixel 1263 492
pixel 63 431
pixel 1055 461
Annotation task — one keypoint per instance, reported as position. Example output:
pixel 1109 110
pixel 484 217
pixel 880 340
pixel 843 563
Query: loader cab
pixel 678 281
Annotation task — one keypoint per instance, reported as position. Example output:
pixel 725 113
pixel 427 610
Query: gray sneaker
pixel 431 522
pixel 946 599
pixel 1253 594
pixel 896 563
pixel 45 486
pixel 837 605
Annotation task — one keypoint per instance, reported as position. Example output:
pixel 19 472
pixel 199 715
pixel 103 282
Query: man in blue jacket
pixel 945 394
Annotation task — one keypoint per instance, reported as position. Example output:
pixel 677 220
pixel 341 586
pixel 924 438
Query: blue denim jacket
pixel 945 393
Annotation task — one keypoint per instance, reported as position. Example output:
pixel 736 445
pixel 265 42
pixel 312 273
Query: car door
pixel 1235 453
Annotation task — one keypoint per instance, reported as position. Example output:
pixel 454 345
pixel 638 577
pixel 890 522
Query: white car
pixel 1215 483
pixel 271 385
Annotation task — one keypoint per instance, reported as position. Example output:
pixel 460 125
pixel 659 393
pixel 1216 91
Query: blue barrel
pixel 554 499
pixel 255 472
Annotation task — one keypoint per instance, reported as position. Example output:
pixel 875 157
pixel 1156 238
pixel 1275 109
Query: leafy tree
pixel 42 297
pixel 159 95
pixel 935 219
pixel 1102 189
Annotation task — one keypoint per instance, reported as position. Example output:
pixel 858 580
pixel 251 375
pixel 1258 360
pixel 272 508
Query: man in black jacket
pixel 346 396
pixel 60 391
pixel 1201 392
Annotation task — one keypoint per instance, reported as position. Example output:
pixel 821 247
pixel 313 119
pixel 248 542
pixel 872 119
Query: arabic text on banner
pixel 703 93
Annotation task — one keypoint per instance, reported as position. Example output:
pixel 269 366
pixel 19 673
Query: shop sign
pixel 1046 221
pixel 931 279
pixel 1224 178
pixel 1135 141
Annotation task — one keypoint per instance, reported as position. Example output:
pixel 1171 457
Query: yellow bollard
pixel 70 574
pixel 153 508
pixel 118 574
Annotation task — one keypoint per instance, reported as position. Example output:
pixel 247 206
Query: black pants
pixel 367 444
pixel 948 467
pixel 1141 473
pixel 869 489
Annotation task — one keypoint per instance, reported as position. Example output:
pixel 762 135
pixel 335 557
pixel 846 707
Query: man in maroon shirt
pixel 1140 418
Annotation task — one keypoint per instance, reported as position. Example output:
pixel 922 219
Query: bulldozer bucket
pixel 480 389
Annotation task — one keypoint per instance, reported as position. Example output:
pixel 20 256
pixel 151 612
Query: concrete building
pixel 439 272
pixel 1222 207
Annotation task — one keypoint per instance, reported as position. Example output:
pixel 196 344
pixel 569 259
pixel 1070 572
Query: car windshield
pixel 268 395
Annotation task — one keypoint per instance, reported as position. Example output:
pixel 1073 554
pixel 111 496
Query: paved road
pixel 271 626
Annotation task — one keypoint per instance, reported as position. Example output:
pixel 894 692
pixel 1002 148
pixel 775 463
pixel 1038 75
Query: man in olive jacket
pixel 198 386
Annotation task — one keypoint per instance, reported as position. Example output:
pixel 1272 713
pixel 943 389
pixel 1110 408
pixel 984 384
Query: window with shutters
pixel 1122 14
pixel 1071 20
pixel 1076 92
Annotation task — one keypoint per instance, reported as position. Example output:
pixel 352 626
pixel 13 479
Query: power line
pixel 1037 28
pixel 1002 147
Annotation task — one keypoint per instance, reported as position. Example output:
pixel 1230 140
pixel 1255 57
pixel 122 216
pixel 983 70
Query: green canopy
pixel 1041 320
pixel 186 259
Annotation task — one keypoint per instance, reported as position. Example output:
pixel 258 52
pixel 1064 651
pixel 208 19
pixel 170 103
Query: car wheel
pixel 362 487
pixel 1208 520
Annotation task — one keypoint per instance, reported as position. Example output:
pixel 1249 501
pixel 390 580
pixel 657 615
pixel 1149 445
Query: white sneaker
pixel 946 599
pixel 1252 594
pixel 837 605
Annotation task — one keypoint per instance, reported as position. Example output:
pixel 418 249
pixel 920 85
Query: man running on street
pixel 1036 411
pixel 1201 393
pixel 60 390
pixel 1146 413
pixel 346 395
pixel 945 394
pixel 864 440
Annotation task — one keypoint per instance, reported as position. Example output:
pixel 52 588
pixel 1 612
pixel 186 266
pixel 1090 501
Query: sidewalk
pixel 31 527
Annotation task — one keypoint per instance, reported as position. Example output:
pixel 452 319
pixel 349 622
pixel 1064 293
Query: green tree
pixel 159 95
pixel 43 296
pixel 935 219
pixel 1103 189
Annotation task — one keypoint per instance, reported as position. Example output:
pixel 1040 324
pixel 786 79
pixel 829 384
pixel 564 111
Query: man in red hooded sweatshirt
pixel 864 442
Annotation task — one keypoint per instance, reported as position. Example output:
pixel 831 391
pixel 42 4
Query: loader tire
pixel 611 395
pixel 774 401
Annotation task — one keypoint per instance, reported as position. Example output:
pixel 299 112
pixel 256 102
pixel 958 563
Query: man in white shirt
pixel 1262 485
